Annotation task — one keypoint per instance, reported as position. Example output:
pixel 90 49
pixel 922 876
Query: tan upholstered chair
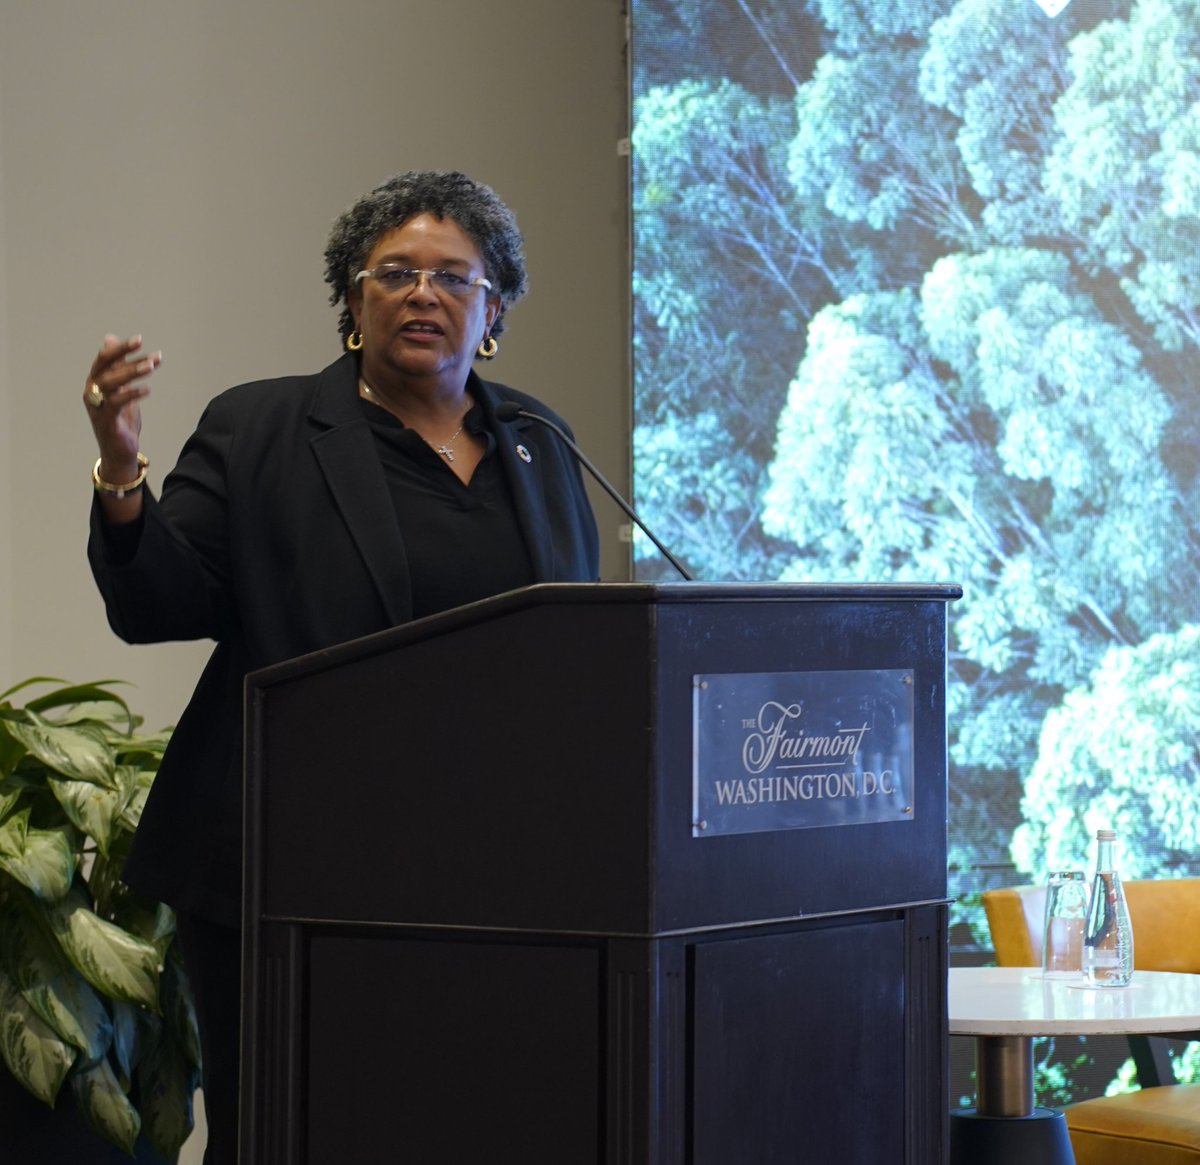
pixel 1160 1125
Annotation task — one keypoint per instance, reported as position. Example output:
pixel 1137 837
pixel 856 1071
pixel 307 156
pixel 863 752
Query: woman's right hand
pixel 112 392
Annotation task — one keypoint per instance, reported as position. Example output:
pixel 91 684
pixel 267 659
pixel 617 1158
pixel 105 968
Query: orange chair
pixel 1160 1124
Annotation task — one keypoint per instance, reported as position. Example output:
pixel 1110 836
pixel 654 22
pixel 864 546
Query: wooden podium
pixel 522 886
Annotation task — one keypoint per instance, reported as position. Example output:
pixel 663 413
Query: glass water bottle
pixel 1108 942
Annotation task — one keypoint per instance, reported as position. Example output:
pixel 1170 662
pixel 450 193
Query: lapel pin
pixel 524 454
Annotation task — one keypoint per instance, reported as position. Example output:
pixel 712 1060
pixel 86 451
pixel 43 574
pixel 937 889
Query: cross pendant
pixel 446 452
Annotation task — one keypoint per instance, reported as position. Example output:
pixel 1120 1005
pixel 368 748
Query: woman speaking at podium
pixel 311 510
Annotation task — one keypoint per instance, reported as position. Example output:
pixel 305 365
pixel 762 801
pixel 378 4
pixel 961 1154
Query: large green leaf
pixel 34 1053
pixel 28 684
pixel 11 750
pixel 74 751
pixel 10 798
pixel 60 996
pixel 152 921
pixel 104 1105
pixel 140 781
pixel 95 809
pixel 144 751
pixel 166 1085
pixel 82 701
pixel 40 859
pixel 76 1013
pixel 109 958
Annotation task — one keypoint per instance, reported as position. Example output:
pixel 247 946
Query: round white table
pixel 1004 1008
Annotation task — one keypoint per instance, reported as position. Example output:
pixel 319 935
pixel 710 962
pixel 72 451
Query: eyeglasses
pixel 394 278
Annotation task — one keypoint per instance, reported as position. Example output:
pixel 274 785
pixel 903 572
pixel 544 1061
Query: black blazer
pixel 276 536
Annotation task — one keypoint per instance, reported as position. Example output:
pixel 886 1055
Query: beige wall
pixel 172 167
pixel 7 483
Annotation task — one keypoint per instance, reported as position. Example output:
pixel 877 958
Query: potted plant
pixel 92 988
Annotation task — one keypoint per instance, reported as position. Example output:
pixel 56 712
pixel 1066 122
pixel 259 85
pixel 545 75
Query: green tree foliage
pixel 1123 747
pixel 873 148
pixel 765 45
pixel 932 314
pixel 860 26
pixel 727 271
pixel 1125 166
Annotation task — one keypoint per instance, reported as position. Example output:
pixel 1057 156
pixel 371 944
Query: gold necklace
pixel 443 449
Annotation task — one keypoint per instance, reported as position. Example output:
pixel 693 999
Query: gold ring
pixel 94 396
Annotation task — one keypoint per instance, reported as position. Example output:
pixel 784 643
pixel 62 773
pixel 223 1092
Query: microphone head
pixel 508 410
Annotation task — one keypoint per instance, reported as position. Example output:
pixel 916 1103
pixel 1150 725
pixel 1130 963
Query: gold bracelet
pixel 119 491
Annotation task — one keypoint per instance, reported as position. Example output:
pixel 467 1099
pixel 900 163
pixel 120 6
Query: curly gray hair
pixel 447 194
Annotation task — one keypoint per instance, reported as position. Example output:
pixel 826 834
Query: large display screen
pixel 917 298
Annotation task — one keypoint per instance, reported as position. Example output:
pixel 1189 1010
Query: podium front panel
pixel 479 927
pixel 532 769
pixel 495 776
pixel 787 873
pixel 457 1049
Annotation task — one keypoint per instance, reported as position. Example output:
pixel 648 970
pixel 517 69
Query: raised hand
pixel 115 385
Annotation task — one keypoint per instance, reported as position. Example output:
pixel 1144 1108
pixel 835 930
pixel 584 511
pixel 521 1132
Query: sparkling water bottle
pixel 1108 943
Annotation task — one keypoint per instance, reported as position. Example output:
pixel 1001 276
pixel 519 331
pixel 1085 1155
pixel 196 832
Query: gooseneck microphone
pixel 509 410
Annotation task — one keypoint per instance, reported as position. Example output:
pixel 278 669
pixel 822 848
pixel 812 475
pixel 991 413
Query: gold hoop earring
pixel 487 347
pixel 354 341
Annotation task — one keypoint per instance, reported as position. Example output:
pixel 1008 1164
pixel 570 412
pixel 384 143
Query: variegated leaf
pixel 152 921
pixel 90 807
pixel 166 1083
pixel 29 683
pixel 53 988
pixel 11 749
pixel 112 712
pixel 10 798
pixel 138 790
pixel 104 1105
pixel 13 832
pixel 34 1053
pixel 142 749
pixel 74 751
pixel 112 960
pixel 73 696
pixel 40 859
pixel 77 1014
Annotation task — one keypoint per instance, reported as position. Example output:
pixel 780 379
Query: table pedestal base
pixel 1038 1139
